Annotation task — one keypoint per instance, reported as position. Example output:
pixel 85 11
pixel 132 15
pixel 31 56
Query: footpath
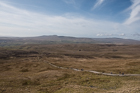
pixel 95 72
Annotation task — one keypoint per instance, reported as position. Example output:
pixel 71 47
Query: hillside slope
pixel 54 39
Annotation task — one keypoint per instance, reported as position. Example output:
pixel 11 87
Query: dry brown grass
pixel 29 72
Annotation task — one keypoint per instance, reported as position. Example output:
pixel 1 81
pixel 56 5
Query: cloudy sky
pixel 78 18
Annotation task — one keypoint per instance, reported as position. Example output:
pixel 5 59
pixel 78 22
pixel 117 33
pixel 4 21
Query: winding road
pixel 95 72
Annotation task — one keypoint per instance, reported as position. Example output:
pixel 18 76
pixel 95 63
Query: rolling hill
pixel 54 39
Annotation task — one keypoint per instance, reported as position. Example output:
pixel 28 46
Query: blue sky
pixel 78 18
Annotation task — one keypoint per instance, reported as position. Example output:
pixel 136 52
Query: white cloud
pixel 98 3
pixel 135 12
pixel 122 34
pixel 75 3
pixel 19 22
pixel 69 1
pixel 135 3
pixel 14 20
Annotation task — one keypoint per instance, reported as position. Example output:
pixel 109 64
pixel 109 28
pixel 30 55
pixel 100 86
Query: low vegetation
pixel 24 69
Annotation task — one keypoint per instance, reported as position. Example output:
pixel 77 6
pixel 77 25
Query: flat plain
pixel 25 68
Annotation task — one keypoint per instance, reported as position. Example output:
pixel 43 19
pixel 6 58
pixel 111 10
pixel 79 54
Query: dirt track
pixel 95 72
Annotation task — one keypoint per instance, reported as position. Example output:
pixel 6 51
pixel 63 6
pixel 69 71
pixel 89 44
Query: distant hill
pixel 116 40
pixel 54 39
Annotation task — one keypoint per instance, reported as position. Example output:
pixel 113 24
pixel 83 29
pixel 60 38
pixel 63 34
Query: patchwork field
pixel 25 68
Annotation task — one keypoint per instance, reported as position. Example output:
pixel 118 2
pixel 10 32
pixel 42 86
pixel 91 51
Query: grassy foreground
pixel 23 69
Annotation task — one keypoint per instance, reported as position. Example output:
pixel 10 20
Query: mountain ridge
pixel 52 39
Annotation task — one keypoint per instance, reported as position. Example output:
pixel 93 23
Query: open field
pixel 24 69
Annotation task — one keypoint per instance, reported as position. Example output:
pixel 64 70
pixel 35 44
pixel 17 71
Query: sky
pixel 76 18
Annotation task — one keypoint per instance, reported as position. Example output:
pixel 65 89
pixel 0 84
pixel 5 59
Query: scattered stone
pixel 92 86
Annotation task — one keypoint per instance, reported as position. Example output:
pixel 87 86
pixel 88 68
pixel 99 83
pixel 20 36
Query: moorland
pixel 25 68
